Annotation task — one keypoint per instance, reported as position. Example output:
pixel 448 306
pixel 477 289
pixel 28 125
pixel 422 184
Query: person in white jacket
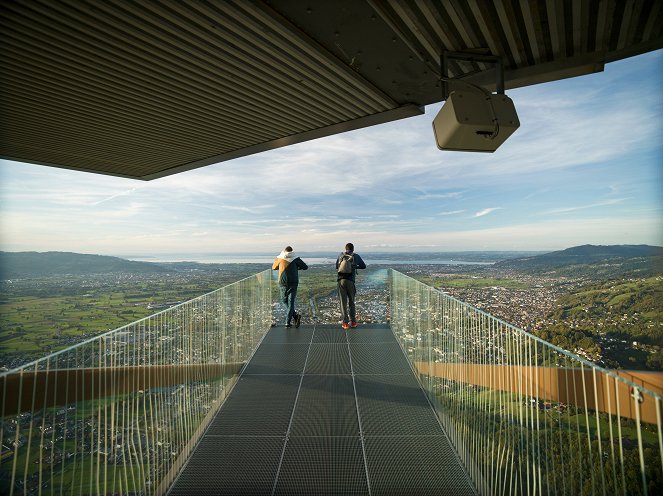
pixel 288 265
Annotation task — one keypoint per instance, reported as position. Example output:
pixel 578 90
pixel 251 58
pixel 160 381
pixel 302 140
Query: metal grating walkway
pixel 319 410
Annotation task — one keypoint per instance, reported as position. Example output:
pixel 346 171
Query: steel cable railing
pixel 525 416
pixel 120 413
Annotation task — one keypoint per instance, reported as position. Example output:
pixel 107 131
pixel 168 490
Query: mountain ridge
pixel 637 260
pixel 614 260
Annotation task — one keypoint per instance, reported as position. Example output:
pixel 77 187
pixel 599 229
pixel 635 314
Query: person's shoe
pixel 288 325
pixel 353 324
pixel 298 319
pixel 345 325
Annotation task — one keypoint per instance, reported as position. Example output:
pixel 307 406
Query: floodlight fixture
pixel 473 119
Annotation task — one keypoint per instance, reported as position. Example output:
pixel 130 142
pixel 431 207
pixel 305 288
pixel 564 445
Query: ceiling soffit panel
pixel 147 89
pixel 548 40
pixel 397 44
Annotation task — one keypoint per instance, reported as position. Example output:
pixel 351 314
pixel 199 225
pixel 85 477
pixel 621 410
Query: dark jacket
pixel 357 264
pixel 288 264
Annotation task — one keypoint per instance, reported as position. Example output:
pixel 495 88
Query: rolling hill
pixel 14 265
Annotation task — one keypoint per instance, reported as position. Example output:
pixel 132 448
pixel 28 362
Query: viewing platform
pixel 208 397
pixel 320 410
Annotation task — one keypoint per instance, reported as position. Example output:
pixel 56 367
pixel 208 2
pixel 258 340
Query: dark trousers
pixel 288 294
pixel 346 296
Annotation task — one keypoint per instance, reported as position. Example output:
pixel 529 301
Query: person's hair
pixel 349 247
pixel 288 248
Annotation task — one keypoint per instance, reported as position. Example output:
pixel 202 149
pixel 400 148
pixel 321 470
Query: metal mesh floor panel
pixel 278 358
pixel 329 334
pixel 424 466
pixel 289 335
pixel 319 411
pixel 230 466
pixel 258 405
pixel 332 358
pixel 326 407
pixel 336 462
pixel 379 358
pixel 394 405
pixel 372 334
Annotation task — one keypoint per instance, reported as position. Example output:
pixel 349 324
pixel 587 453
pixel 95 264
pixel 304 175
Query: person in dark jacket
pixel 347 264
pixel 288 264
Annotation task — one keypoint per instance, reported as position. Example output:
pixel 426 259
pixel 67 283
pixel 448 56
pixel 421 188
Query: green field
pixel 40 316
pixel 470 282
pixel 31 324
pixel 43 315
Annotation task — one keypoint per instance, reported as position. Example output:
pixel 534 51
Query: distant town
pixel 46 311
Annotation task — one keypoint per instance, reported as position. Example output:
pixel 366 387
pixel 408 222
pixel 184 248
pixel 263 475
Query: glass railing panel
pixel 119 413
pixel 525 416
pixel 317 296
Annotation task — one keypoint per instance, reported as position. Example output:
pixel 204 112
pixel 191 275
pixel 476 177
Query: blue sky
pixel 586 166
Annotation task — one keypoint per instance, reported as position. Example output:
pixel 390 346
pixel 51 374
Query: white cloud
pixel 539 236
pixel 440 196
pixel 584 207
pixel 382 186
pixel 116 195
pixel 486 211
pixel 251 210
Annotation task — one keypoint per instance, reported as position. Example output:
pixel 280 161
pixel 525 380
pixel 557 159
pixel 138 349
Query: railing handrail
pixel 518 330
pixel 103 335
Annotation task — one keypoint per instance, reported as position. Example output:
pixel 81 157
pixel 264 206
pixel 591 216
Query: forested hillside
pixel 617 323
